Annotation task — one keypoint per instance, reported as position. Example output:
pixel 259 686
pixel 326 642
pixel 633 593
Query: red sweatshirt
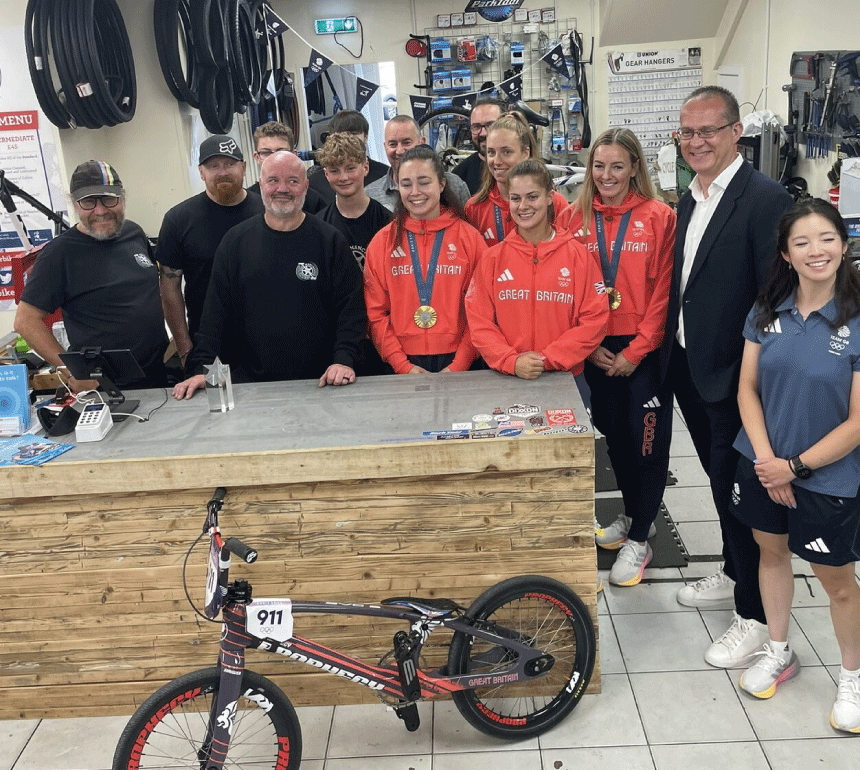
pixel 547 297
pixel 483 215
pixel 392 296
pixel 645 270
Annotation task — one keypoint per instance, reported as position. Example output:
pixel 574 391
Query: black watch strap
pixel 798 468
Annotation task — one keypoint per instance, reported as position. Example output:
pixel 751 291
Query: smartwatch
pixel 798 468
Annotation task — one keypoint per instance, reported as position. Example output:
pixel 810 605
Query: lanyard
pixel 425 285
pixel 610 270
pixel 500 229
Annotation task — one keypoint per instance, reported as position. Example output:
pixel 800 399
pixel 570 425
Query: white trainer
pixel 715 591
pixel 771 669
pixel 615 535
pixel 845 715
pixel 738 646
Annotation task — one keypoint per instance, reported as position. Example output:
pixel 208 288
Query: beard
pixel 103 228
pixel 226 189
pixel 283 207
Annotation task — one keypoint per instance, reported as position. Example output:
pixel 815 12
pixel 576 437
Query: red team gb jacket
pixel 645 270
pixel 392 296
pixel 548 298
pixel 483 215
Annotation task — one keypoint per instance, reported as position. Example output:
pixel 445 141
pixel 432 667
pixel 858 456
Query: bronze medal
pixel 425 317
pixel 614 298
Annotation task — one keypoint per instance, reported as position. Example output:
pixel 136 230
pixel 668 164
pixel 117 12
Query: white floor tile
pixel 316 727
pixel 825 752
pixel 690 707
pixel 404 762
pixel 710 756
pixel 610 653
pixel 646 597
pixel 452 733
pixel 688 471
pixel 512 759
pixel 665 641
pixel 700 538
pixel 808 592
pixel 593 720
pixel 13 738
pixel 816 625
pixel 374 731
pixel 72 744
pixel 682 444
pixel 799 709
pixel 627 757
pixel 690 503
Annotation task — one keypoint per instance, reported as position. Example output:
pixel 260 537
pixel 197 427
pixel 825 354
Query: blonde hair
pixel 517 125
pixel 340 149
pixel 640 183
pixel 536 170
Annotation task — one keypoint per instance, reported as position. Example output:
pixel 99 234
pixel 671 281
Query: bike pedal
pixel 409 715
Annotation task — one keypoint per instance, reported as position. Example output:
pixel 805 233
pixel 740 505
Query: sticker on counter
pixel 500 418
pixel 560 417
pixel 451 435
pixel 482 418
pixel 482 426
pixel 461 426
pixel 509 432
pixel 516 424
pixel 522 410
pixel 483 434
pixel 536 421
pixel 445 433
pixel 498 410
pixel 554 430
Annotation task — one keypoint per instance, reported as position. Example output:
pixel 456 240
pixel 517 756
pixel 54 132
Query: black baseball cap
pixel 95 178
pixel 220 144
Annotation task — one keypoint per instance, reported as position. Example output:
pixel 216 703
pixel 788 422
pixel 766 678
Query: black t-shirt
pixel 281 305
pixel 359 231
pixel 318 181
pixel 108 291
pixel 471 171
pixel 314 202
pixel 190 234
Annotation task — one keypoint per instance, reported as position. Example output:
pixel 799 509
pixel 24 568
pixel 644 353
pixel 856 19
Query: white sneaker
pixel 712 592
pixel 771 669
pixel 630 564
pixel 846 710
pixel 615 535
pixel 738 646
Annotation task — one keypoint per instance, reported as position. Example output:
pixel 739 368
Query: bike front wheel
pixel 169 729
pixel 546 615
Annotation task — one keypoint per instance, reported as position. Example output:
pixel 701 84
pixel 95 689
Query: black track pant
pixel 714 427
pixel 635 415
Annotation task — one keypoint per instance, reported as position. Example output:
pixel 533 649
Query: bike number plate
pixel 270 619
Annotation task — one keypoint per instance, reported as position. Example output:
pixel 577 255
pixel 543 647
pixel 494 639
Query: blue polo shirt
pixel 804 382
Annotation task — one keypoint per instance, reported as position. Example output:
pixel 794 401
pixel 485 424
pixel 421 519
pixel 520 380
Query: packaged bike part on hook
pixel 440 50
pixel 518 52
pixel 467 50
pixel 486 48
pixel 441 80
pixel 461 79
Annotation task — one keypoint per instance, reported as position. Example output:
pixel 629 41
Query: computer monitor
pixel 107 367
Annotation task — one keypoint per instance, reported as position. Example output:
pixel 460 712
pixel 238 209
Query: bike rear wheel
pixel 544 614
pixel 168 730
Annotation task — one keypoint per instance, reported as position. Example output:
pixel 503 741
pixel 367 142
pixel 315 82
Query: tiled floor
pixel 662 707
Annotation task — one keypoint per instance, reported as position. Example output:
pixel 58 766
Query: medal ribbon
pixel 610 270
pixel 500 228
pixel 425 285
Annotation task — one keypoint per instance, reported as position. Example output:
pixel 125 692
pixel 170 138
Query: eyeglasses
pixel 476 128
pixel 708 132
pixel 267 153
pixel 89 203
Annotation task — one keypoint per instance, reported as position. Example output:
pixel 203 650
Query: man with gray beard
pixel 285 301
pixel 102 275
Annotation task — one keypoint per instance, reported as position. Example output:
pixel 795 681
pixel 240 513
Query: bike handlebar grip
pixel 218 495
pixel 244 552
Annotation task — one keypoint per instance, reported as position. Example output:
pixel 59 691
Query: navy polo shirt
pixel 804 382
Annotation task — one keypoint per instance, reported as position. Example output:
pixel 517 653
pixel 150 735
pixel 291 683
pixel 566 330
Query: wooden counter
pixel 337 490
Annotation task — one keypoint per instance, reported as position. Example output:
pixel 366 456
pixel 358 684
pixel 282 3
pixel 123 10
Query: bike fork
pixel 231 663
pixel 406 654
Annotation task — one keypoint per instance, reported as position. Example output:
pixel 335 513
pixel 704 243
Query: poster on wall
pixel 631 62
pixel 28 157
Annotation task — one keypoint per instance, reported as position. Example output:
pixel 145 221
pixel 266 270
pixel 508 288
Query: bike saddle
pixel 531 116
pixel 425 606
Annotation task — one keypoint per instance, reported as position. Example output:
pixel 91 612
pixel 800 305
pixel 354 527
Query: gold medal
pixel 425 317
pixel 614 298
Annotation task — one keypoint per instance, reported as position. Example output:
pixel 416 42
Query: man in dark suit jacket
pixel 726 238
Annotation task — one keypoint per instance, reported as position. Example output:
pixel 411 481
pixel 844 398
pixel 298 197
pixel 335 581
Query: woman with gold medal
pixel 631 236
pixel 417 270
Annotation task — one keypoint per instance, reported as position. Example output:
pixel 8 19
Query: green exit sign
pixel 330 26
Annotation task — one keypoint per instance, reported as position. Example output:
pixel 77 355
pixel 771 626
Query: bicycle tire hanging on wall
pixel 212 58
pixel 80 62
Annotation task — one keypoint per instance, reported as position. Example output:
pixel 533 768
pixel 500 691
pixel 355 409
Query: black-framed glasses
pixel 89 203
pixel 708 132
pixel 476 128
pixel 267 153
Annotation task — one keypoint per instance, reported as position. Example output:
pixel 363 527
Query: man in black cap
pixel 102 275
pixel 192 230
